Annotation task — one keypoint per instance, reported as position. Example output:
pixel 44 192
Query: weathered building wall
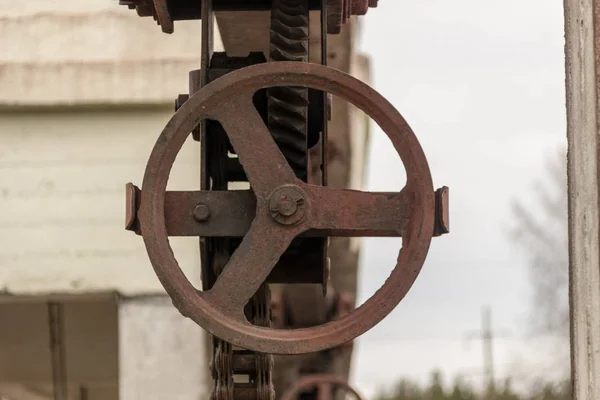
pixel 85 89
pixel 25 357
pixel 91 52
pixel 63 177
pixel 64 170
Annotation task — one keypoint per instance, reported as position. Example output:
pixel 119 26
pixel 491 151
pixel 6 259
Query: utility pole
pixel 582 54
pixel 487 340
pixel 486 334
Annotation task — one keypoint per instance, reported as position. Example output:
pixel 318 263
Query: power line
pixel 504 335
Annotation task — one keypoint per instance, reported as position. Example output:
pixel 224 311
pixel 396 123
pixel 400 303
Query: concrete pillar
pixel 582 32
pixel 161 353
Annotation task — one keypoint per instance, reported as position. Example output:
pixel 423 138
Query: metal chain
pixel 288 108
pixel 224 358
pixel 264 362
pixel 222 371
pixel 258 312
pixel 222 362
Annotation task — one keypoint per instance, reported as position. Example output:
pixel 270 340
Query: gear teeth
pixel 288 106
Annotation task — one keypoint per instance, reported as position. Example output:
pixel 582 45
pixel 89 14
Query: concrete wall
pixel 62 196
pixel 114 348
pixel 91 52
pixel 64 166
pixel 161 354
pixel 64 169
pixel 91 349
pixel 85 89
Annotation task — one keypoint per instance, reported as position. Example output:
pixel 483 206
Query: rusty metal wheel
pixel 323 383
pixel 287 207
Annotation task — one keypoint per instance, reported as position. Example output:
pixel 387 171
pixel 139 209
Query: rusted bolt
pixel 287 205
pixel 201 213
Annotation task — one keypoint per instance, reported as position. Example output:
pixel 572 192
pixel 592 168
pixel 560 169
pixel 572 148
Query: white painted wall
pixel 91 52
pixel 161 354
pixel 63 172
pixel 64 167
pixel 62 201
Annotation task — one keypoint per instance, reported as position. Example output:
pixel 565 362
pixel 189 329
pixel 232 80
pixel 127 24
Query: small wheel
pixel 324 385
pixel 287 207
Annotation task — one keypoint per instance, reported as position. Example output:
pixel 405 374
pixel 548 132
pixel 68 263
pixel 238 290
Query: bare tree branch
pixel 540 230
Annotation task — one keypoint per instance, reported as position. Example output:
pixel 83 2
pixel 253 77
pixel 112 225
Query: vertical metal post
pixel 326 97
pixel 207 18
pixel 84 393
pixel 57 351
pixel 487 340
pixel 582 60
pixel 207 38
pixel 207 47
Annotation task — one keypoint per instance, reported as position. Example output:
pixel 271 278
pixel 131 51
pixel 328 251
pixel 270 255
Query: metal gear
pixel 288 106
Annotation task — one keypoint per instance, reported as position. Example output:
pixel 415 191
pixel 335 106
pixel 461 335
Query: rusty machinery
pixel 321 387
pixel 262 119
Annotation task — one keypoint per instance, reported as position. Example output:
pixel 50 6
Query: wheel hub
pixel 287 205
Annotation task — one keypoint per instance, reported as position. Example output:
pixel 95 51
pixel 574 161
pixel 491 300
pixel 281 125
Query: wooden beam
pixel 582 62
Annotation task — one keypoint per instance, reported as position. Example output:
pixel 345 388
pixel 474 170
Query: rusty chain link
pixel 289 40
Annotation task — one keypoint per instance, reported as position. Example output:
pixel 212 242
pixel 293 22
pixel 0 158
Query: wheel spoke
pixel 250 264
pixel 263 162
pixel 343 212
pixel 324 390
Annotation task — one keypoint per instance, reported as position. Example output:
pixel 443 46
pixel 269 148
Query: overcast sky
pixel 481 84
